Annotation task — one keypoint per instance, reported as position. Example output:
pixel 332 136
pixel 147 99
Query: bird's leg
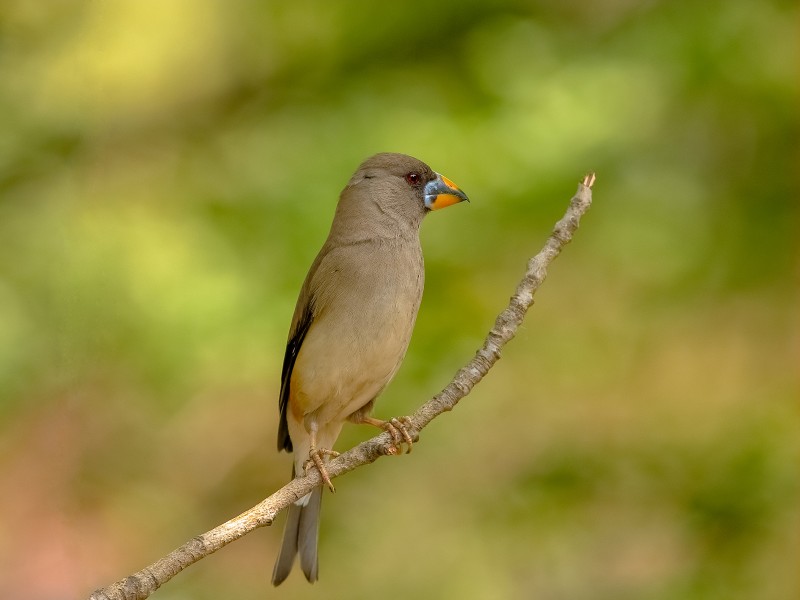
pixel 396 426
pixel 315 458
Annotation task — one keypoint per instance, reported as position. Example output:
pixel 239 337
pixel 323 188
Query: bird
pixel 351 328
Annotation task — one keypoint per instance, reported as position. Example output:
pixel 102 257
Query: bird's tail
pixel 300 536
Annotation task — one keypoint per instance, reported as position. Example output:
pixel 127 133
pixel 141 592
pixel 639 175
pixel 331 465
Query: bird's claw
pixel 315 459
pixel 397 427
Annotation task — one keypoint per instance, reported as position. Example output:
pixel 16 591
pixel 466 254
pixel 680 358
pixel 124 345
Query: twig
pixel 140 585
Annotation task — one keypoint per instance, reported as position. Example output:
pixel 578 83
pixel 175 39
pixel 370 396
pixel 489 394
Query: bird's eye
pixel 413 178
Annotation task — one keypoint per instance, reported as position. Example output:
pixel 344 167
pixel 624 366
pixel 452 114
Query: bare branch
pixel 140 585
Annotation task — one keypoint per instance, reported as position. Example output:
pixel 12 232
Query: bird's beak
pixel 442 192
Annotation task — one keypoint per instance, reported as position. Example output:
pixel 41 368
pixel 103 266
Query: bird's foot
pixel 315 459
pixel 397 427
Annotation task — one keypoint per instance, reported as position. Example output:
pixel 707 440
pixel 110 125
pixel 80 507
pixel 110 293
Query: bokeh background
pixel 169 170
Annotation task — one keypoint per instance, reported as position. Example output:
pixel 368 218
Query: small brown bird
pixel 352 325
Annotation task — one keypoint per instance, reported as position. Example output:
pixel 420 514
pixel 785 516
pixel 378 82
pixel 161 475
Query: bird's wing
pixel 301 323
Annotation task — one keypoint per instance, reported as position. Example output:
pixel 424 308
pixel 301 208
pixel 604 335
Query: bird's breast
pixel 364 316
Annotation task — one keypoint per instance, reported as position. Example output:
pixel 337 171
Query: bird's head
pixel 400 187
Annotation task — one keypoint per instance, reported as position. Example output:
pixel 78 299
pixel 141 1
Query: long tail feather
pixel 300 536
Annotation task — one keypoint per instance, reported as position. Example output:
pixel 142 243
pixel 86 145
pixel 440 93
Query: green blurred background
pixel 169 170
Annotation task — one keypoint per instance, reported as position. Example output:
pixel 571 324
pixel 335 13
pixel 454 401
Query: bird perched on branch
pixel 352 325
